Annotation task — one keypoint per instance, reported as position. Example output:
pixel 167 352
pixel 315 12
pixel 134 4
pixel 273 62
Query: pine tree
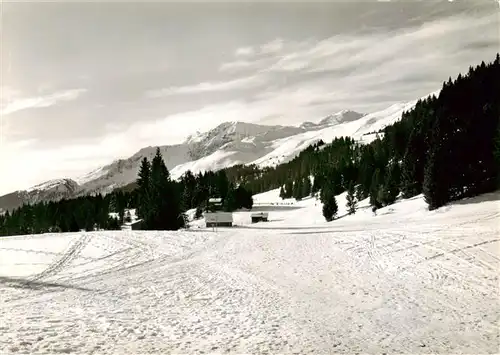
pixel 496 152
pixel 435 187
pixel 375 189
pixel 289 189
pixel 359 193
pixel 144 208
pixel 351 200
pixel 198 213
pixel 165 195
pixel 244 198
pixel 306 187
pixel 297 189
pixel 230 202
pixel 330 207
pixel 433 190
pixel 282 193
pixel 390 190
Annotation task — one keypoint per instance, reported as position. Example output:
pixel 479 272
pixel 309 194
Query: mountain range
pixel 228 144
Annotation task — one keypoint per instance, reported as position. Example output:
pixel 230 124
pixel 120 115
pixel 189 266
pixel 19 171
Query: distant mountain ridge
pixel 228 144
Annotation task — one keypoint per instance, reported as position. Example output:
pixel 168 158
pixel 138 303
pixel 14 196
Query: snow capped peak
pixel 341 117
pixel 92 175
pixel 51 184
pixel 333 119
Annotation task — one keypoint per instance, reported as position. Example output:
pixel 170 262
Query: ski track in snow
pixel 406 280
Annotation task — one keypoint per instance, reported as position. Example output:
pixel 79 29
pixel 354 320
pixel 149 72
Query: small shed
pixel 134 225
pixel 259 217
pixel 218 219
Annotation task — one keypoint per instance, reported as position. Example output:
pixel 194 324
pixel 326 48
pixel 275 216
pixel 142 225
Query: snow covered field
pixel 406 280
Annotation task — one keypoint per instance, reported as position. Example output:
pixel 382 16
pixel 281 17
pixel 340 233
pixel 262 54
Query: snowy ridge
pixel 404 281
pixel 51 184
pixel 93 175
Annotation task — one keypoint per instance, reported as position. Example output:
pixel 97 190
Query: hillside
pixel 405 280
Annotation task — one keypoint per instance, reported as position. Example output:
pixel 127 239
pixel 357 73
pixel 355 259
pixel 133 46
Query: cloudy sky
pixel 85 83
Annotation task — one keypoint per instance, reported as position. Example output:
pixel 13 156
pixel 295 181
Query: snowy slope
pixel 404 281
pixel 287 148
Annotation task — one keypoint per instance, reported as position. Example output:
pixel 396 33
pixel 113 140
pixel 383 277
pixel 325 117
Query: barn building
pixel 218 219
pixel 215 217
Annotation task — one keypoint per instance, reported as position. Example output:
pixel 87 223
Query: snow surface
pixel 404 281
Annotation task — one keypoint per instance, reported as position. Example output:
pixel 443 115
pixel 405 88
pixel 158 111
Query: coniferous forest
pixel 446 147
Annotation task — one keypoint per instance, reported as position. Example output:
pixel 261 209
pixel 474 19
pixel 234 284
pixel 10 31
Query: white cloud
pixel 8 94
pixel 236 84
pixel 244 51
pixel 237 64
pixel 39 101
pixel 273 46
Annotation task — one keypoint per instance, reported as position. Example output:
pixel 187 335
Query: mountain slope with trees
pixel 447 147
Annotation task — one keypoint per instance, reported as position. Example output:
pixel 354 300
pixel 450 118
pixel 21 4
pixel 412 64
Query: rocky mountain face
pixel 228 144
pixel 335 119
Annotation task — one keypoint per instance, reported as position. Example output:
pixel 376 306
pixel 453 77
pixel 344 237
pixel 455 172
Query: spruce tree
pixel 306 187
pixel 198 213
pixel 359 193
pixel 144 208
pixel 351 199
pixel 433 190
pixel 289 189
pixel 375 189
pixel 330 207
pixel 282 193
pixel 390 189
pixel 496 152
pixel 230 201
pixel 297 189
pixel 435 187
pixel 165 212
